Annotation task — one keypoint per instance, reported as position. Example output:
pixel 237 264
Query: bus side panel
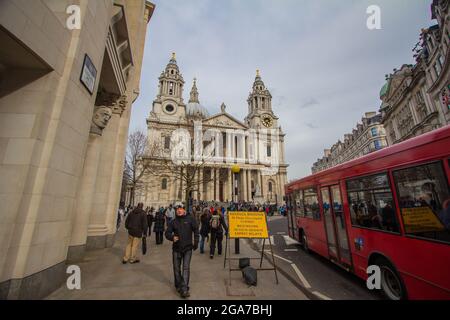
pixel 317 241
pixel 410 257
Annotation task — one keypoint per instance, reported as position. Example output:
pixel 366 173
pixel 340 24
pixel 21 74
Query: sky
pixel 322 65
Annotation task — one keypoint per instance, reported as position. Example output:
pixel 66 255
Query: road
pixel 313 273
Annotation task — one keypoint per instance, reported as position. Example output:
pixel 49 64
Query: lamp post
pixel 235 169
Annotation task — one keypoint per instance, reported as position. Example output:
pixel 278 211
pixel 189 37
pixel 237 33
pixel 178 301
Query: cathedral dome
pixel 195 109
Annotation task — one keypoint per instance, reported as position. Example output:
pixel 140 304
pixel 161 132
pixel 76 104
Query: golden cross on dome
pixel 173 55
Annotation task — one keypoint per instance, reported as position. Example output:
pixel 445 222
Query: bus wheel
pixel 304 241
pixel 391 283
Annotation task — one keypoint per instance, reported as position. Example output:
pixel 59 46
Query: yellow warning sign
pixel 247 225
pixel 420 219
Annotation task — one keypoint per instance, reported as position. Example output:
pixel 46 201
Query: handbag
pixel 144 245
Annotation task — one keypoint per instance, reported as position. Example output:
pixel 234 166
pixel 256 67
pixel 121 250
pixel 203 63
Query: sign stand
pixel 229 258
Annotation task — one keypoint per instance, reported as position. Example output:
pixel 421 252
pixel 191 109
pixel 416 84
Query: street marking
pixel 300 275
pixel 290 241
pixel 290 250
pixel 322 296
pixel 281 232
pixel 276 256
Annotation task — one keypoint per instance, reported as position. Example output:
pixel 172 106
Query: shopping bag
pixel 144 245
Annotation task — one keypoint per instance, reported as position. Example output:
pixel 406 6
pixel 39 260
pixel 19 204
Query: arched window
pixel 164 184
pixel 270 186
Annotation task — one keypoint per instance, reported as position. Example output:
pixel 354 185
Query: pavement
pixel 104 277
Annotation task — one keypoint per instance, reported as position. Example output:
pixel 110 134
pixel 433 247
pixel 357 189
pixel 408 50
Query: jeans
pixel 202 243
pixel 159 237
pixel 216 236
pixel 181 276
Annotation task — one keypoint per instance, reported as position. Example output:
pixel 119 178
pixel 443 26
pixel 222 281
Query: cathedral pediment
pixel 224 120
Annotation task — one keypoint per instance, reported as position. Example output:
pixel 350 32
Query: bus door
pixel 290 216
pixel 335 224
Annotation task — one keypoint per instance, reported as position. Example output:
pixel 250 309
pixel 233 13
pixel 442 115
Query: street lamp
pixel 235 169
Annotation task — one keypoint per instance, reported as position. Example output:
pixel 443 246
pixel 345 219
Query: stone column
pixel 230 185
pixel 84 200
pixel 249 184
pixel 217 182
pixel 244 187
pixel 200 183
pixel 98 228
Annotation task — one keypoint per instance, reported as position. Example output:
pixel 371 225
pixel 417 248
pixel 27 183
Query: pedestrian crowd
pixel 187 228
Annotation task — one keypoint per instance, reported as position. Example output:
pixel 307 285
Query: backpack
pixel 215 221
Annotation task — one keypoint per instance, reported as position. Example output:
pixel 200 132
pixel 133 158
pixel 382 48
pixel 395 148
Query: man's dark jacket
pixel 136 223
pixel 183 227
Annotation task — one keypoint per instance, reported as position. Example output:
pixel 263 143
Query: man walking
pixel 216 226
pixel 136 224
pixel 180 231
pixel 170 214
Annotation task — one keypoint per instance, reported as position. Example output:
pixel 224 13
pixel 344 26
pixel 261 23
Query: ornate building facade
pixel 65 103
pixel 416 98
pixel 233 140
pixel 367 137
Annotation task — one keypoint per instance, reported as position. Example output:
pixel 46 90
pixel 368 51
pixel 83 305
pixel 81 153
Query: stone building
pixel 416 98
pixel 367 137
pixel 65 101
pixel 234 141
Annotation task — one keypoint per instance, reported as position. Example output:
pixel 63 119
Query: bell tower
pixel 169 100
pixel 260 113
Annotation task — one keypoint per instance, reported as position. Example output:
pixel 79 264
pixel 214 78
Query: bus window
pixel 423 194
pixel 371 203
pixel 311 204
pixel 298 203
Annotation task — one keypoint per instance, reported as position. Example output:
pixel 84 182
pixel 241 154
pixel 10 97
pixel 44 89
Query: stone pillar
pixel 217 182
pixel 244 187
pixel 98 228
pixel 200 183
pixel 230 185
pixel 84 200
pixel 249 184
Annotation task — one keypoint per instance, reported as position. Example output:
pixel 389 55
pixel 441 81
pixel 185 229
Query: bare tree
pixel 135 169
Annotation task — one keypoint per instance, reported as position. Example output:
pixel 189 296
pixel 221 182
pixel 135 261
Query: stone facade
pixel 169 113
pixel 416 98
pixel 367 137
pixel 62 142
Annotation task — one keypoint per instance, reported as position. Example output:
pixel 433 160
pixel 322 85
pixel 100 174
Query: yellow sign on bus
pixel 420 219
pixel 247 225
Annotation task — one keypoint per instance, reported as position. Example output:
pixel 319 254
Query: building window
pixel 437 68
pixel 270 186
pixel 377 144
pixel 374 132
pixel 164 184
pixel 441 61
pixel 269 151
pixel 171 88
pixel 371 203
pixel 166 142
pixel 424 201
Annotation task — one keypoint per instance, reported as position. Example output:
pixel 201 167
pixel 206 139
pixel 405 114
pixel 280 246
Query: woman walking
pixel 158 229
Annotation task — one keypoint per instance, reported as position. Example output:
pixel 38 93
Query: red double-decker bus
pixel 390 208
